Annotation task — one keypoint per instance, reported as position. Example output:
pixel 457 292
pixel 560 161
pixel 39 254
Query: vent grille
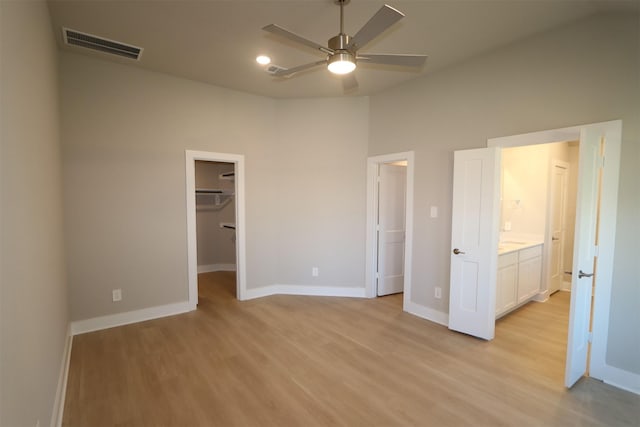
pixel 89 41
pixel 274 69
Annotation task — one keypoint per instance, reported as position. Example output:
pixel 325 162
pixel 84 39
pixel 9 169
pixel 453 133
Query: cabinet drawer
pixel 529 253
pixel 507 259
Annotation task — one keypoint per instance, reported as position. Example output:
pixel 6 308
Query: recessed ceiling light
pixel 263 60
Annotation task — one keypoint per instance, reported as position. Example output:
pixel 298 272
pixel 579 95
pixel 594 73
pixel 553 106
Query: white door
pixel 391 228
pixel 559 181
pixel 583 277
pixel 474 241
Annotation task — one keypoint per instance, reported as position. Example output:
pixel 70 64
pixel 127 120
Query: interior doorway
pixel 215 226
pixel 473 280
pixel 389 225
pixel 213 182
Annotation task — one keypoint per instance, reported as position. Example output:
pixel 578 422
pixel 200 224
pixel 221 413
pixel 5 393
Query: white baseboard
pixel 566 286
pixel 326 291
pixel 622 379
pixel 208 268
pixel 119 319
pixel 61 391
pixel 542 296
pixel 427 313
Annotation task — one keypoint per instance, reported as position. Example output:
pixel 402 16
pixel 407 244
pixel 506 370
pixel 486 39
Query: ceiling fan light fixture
pixel 341 63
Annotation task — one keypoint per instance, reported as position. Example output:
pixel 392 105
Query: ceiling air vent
pixel 273 69
pixel 89 41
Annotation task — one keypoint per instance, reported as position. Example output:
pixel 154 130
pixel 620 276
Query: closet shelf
pixel 227 176
pixel 213 192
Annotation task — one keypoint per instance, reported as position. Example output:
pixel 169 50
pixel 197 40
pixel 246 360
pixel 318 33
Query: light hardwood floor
pixel 307 361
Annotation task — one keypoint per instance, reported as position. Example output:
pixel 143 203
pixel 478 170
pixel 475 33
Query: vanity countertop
pixel 506 246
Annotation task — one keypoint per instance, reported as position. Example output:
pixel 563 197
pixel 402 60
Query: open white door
pixel 474 241
pixel 583 277
pixel 391 226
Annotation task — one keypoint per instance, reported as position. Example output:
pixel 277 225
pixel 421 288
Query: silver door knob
pixel 457 251
pixel 582 274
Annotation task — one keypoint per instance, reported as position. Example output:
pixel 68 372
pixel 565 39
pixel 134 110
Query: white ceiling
pixel 216 41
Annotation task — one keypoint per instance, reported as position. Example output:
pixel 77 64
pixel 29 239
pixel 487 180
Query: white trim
pixel 373 165
pixel 192 250
pixel 427 313
pixel 126 318
pixel 620 378
pixel 61 390
pixel 608 213
pixel 208 268
pixel 535 138
pixel 606 243
pixel 325 291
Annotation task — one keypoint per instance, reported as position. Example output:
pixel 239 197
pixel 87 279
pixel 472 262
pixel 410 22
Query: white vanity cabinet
pixel 529 273
pixel 507 283
pixel 519 278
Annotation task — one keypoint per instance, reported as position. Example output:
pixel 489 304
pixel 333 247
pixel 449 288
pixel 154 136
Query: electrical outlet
pixel 434 212
pixel 116 295
pixel 438 293
pixel 507 226
pixel 315 272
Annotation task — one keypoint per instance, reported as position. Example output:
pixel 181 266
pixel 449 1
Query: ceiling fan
pixel 342 50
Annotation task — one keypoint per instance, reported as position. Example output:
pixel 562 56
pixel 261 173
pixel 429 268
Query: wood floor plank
pixel 320 361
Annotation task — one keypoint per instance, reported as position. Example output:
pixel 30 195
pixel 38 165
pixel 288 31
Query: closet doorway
pixel 215 217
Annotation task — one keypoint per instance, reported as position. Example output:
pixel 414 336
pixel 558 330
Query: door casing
pixel 607 225
pixel 192 248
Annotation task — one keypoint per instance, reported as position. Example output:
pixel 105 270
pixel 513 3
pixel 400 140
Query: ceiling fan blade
pixel 286 72
pixel 275 29
pixel 349 82
pixel 383 19
pixel 402 60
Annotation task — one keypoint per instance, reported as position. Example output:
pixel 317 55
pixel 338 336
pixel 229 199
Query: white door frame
pixel 192 247
pixel 373 164
pixel 607 232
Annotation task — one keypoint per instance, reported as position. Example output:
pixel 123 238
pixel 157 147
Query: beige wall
pixel 33 292
pixel 125 131
pixel 584 73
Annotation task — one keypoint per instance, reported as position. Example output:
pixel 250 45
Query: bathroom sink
pixel 511 242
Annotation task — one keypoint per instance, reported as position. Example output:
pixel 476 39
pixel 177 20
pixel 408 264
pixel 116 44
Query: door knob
pixel 582 274
pixel 457 251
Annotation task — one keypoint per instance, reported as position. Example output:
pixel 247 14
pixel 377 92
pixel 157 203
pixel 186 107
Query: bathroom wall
pixel 525 186
pixel 524 191
pixel 216 245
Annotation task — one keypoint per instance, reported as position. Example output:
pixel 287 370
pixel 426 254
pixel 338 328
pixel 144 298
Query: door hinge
pixel 377 275
pixel 596 250
pixel 590 337
pixel 377 227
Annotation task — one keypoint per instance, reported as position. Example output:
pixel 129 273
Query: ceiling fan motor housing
pixel 339 45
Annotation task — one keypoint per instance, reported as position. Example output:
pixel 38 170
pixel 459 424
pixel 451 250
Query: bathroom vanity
pixel 519 274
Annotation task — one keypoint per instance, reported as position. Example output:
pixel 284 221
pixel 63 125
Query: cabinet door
pixel 529 274
pixel 506 286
